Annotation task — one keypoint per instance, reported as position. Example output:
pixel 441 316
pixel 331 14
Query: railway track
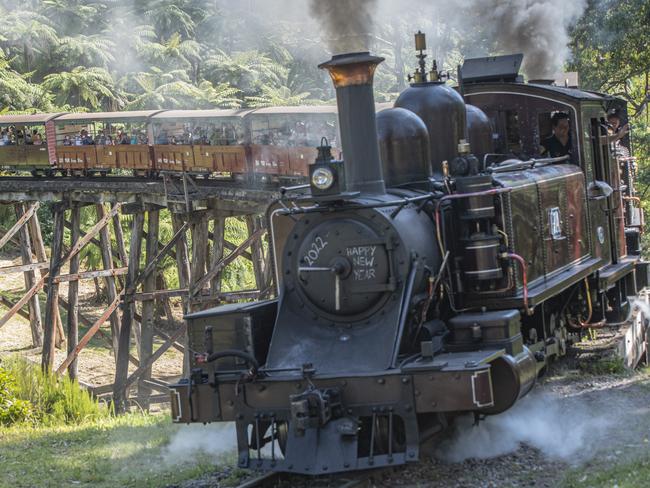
pixel 360 479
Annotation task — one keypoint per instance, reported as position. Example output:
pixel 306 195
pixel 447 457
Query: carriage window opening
pixel 597 149
pixel 22 135
pixel 211 132
pixel 100 133
pixel 293 131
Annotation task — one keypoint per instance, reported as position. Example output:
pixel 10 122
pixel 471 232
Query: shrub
pixel 12 408
pixel 54 399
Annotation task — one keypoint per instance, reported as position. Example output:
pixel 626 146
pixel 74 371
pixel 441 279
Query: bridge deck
pixel 232 196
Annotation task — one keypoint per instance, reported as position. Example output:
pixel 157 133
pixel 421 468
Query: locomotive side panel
pixel 524 221
pixel 561 190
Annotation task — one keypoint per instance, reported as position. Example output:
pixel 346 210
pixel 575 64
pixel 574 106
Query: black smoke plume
pixel 348 23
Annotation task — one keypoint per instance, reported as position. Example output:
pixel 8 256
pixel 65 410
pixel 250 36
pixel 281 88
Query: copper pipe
pixel 524 278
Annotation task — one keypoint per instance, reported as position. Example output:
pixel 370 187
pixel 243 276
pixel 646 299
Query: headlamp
pixel 322 178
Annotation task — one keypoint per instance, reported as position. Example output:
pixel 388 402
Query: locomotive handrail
pixel 532 163
pixel 393 203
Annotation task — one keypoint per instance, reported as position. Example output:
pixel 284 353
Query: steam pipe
pixel 352 75
pixel 524 278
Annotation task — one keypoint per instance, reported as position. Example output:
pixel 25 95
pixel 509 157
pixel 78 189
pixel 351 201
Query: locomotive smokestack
pixel 352 75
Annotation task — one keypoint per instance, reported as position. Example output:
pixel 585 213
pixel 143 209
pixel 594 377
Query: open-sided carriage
pixel 283 140
pixel 99 143
pixel 200 142
pixel 27 143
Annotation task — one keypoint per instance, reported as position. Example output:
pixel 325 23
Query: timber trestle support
pixel 157 258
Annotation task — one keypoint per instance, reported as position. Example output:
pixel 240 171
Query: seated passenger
pixel 100 138
pixel 86 139
pixel 123 138
pixel 67 141
pixel 37 140
pixel 559 143
pixel 28 138
pixel 4 138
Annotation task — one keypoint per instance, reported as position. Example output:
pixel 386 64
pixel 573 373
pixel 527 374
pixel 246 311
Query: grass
pixel 604 366
pixel 110 452
pixel 631 474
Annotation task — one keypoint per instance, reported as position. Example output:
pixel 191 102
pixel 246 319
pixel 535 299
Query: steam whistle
pixel 420 75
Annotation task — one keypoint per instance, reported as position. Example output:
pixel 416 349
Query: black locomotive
pixel 424 276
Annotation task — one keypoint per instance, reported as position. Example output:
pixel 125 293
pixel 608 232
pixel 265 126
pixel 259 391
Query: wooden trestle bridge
pixel 200 261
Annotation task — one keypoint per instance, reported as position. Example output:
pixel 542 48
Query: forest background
pixel 75 55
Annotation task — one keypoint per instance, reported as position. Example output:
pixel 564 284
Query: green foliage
pixel 53 399
pixel 604 366
pixel 12 409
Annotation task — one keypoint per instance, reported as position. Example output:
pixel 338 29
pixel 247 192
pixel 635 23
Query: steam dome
pixel 403 146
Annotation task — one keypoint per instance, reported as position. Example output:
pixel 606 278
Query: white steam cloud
pixel 557 427
pixel 218 440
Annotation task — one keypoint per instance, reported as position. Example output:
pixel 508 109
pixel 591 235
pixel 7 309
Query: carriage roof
pixel 31 119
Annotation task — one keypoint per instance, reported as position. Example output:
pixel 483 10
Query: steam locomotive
pixel 423 276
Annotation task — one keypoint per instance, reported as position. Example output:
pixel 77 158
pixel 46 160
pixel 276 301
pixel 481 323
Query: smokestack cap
pixel 352 68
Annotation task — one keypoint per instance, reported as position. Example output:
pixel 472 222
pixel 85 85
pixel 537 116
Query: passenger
pixel 4 137
pixel 134 137
pixel 559 143
pixel 67 141
pixel 196 136
pixel 162 138
pixel 124 138
pixel 86 139
pixel 37 140
pixel 620 131
pixel 28 138
pixel 100 138
pixel 614 121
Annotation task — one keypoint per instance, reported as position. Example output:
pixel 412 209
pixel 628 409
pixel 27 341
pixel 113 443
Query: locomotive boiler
pixel 414 283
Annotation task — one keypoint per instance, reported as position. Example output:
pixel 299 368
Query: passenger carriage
pixel 283 140
pixel 100 143
pixel 200 142
pixel 20 154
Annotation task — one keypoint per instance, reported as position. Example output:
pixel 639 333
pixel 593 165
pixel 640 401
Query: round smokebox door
pixel 343 268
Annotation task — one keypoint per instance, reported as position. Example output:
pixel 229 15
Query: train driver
pixel 559 143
